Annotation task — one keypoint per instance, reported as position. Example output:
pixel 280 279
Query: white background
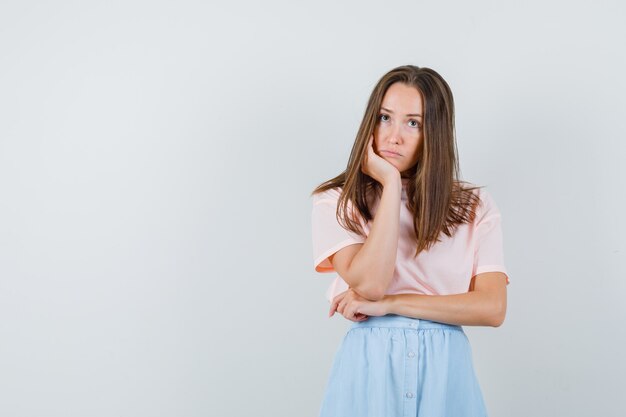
pixel 156 161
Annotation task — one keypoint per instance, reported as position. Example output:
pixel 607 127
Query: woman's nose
pixel 394 134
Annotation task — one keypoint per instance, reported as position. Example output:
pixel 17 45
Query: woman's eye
pixel 416 123
pixel 380 117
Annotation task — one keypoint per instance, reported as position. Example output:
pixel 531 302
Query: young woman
pixel 418 254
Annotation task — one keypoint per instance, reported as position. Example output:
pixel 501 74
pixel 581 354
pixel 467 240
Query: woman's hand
pixel 376 166
pixel 355 307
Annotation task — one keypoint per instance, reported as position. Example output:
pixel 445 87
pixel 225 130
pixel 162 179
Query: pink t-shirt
pixel 446 268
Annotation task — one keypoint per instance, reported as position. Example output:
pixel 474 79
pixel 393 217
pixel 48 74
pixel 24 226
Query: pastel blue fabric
pixel 397 366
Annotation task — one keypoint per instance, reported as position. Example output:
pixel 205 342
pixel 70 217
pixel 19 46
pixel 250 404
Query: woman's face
pixel 398 134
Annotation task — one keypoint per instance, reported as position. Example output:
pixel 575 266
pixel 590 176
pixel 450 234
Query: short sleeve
pixel 328 235
pixel 488 248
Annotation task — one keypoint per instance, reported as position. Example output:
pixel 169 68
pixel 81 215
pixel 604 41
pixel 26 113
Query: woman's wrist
pixel 391 180
pixel 388 303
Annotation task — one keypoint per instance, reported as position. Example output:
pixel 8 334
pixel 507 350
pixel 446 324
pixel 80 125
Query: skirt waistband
pixel 394 320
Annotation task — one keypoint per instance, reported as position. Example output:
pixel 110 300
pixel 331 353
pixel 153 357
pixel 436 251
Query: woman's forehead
pixel 400 98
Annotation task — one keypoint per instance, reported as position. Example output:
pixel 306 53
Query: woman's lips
pixel 390 153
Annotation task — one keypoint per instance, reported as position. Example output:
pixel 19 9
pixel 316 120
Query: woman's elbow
pixel 371 293
pixel 498 315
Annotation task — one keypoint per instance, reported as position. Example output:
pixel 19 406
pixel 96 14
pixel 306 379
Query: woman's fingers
pixel 342 306
pixel 377 166
pixel 335 304
pixel 345 304
pixel 351 311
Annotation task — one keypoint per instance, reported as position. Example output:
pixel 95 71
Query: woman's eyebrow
pixel 411 114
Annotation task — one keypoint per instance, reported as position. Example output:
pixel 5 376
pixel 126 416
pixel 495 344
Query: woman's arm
pixel 369 270
pixel 484 306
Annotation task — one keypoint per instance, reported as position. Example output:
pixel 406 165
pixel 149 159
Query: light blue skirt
pixel 397 366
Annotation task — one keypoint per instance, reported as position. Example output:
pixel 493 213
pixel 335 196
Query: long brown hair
pixel 436 196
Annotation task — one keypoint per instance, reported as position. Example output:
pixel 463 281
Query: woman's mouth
pixel 390 153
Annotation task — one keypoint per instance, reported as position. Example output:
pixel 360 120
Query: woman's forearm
pixel 374 264
pixel 474 308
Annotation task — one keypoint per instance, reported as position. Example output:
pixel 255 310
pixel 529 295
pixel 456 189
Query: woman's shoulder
pixel 486 205
pixel 331 194
pixel 479 190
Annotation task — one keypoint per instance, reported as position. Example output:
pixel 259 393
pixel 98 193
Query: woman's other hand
pixel 377 167
pixel 355 307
